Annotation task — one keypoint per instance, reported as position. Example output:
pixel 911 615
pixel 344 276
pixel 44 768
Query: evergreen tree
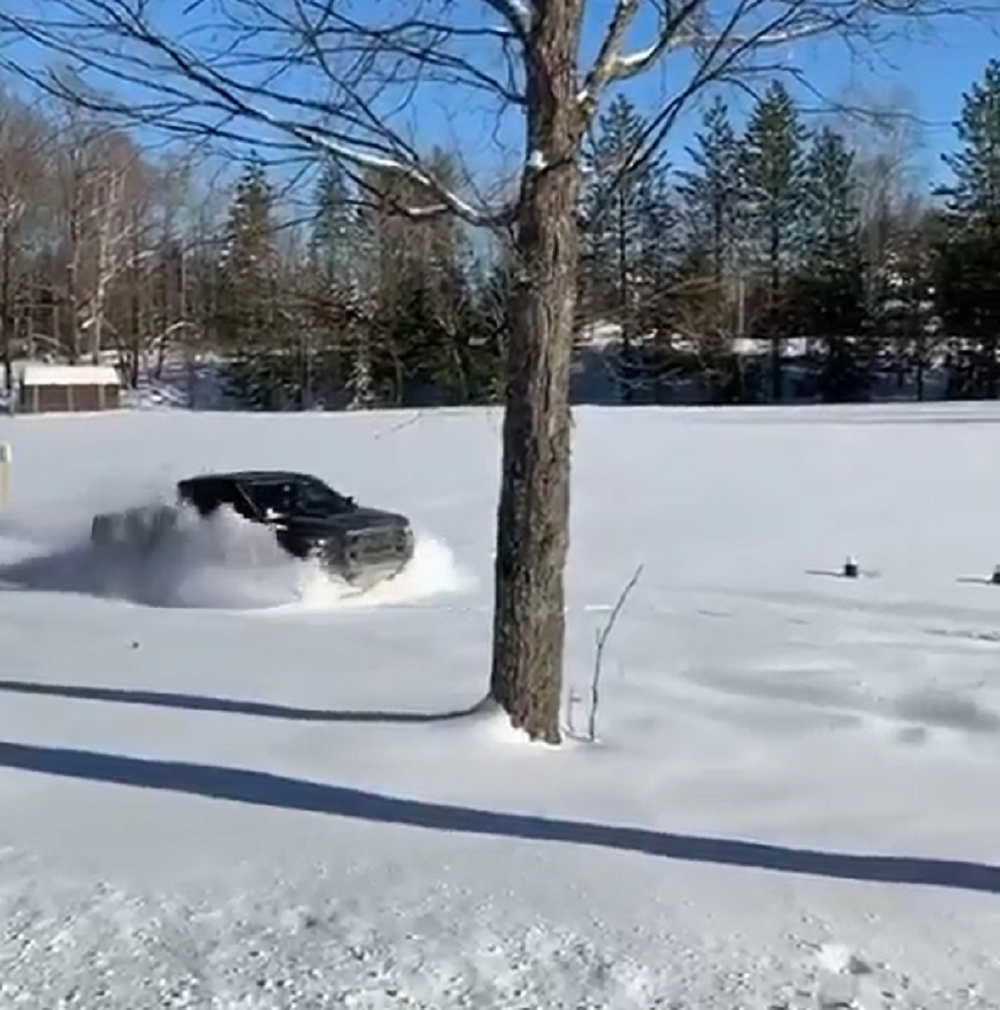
pixel 334 235
pixel 974 194
pixel 831 211
pixel 969 257
pixel 614 203
pixel 774 170
pixel 444 343
pixel 658 251
pixel 340 254
pixel 257 374
pixel 711 193
pixel 420 289
pixel 621 207
pixel 906 311
pixel 968 302
pixel 248 250
pixel 709 295
pixel 830 289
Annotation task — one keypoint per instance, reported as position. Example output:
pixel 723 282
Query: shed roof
pixel 36 374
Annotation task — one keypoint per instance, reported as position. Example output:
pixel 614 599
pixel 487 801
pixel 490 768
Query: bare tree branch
pixel 246 61
pixel 516 13
pixel 191 85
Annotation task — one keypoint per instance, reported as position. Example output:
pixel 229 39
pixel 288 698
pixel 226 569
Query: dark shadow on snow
pixel 73 569
pixel 81 571
pixel 159 579
pixel 231 706
pixel 240 785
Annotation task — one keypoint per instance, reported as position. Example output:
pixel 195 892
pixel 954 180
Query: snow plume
pixel 220 563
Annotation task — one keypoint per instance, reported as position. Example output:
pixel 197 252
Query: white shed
pixel 60 388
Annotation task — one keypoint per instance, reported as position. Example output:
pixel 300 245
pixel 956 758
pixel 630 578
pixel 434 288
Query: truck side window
pixel 232 495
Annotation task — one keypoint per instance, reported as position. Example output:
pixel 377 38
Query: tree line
pixel 781 242
pixel 780 260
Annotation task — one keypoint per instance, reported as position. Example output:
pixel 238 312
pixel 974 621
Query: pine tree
pixel 420 287
pixel 774 170
pixel 249 247
pixel 248 294
pixel 336 239
pixel 905 310
pixel 658 248
pixel 340 252
pixel 712 192
pixel 709 297
pixel 974 194
pixel 612 212
pixel 830 290
pixel 969 257
pixel 619 205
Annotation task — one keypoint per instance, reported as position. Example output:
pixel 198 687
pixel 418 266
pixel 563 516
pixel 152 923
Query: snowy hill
pixel 226 784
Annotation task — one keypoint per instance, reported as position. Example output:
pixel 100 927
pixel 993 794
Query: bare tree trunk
pixel 776 324
pixel 533 513
pixel 921 366
pixel 6 306
pixel 72 282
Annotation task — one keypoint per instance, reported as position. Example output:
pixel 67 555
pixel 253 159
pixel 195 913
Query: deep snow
pixel 224 783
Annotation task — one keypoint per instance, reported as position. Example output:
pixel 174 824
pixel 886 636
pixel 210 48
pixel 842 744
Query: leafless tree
pixel 117 230
pixel 23 143
pixel 92 161
pixel 340 75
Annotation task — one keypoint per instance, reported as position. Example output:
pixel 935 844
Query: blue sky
pixel 923 75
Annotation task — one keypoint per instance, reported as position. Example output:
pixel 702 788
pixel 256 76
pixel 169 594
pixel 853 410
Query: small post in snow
pixel 6 454
pixel 995 577
pixel 850 567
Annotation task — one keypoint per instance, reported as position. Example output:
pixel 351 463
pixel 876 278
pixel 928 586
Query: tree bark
pixel 533 512
pixel 72 279
pixel 6 306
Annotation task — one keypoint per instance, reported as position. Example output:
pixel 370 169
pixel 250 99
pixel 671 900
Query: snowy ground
pixel 224 785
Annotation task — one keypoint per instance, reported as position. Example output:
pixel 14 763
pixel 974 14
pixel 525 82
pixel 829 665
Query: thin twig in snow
pixel 399 425
pixel 603 635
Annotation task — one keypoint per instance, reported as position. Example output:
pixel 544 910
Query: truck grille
pixel 379 542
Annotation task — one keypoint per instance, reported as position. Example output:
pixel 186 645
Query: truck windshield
pixel 297 496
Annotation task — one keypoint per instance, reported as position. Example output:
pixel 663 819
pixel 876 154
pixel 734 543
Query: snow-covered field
pixel 223 784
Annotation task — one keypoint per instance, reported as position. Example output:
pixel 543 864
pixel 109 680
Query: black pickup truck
pixel 310 519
